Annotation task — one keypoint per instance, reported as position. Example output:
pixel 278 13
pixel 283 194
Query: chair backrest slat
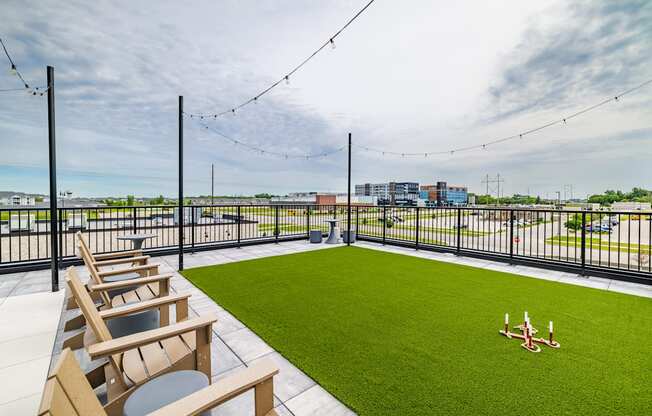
pixel 67 392
pixel 89 261
pixel 87 306
pixel 82 243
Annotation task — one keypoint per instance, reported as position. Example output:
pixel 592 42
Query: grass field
pixel 396 335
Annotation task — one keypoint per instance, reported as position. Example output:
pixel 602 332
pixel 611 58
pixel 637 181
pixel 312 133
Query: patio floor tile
pixel 247 345
pixel 317 402
pixel 226 323
pixel 222 358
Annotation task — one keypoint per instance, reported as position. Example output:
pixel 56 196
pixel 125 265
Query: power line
pixel 262 151
pixel 521 135
pixel 286 78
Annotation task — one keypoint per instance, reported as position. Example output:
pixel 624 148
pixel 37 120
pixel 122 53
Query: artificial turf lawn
pixel 394 334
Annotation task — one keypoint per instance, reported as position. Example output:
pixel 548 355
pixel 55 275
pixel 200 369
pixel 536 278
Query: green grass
pixel 598 244
pixel 393 334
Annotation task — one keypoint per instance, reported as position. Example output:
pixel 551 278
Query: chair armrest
pixel 133 269
pixel 141 306
pixel 117 254
pixel 138 259
pixel 129 342
pixel 139 281
pixel 221 391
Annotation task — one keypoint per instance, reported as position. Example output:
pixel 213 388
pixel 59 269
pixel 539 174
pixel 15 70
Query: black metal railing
pixel 588 241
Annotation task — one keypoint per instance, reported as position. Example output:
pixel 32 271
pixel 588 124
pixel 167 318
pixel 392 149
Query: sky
pixel 412 76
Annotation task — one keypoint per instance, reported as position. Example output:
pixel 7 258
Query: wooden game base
pixel 533 348
pixel 510 335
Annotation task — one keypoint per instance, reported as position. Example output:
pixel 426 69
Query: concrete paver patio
pixel 31 329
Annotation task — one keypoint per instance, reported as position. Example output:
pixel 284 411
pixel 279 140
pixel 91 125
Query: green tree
pixel 574 222
pixel 159 200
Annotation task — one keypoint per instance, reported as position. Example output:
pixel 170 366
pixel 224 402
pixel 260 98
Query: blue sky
pixel 414 76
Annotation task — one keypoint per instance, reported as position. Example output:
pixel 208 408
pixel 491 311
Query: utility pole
pixel 498 182
pixel 487 181
pixel 52 142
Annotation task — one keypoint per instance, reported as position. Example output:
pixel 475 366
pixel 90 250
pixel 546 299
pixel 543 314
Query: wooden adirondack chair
pixel 136 358
pixel 98 276
pixel 163 301
pixel 68 392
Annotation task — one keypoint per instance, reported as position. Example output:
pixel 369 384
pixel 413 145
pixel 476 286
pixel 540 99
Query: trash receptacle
pixel 315 236
pixel 345 236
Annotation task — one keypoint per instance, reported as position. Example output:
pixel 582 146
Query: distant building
pixel 631 206
pixel 390 193
pixel 321 198
pixel 587 206
pixel 22 200
pixel 442 194
pixel 295 198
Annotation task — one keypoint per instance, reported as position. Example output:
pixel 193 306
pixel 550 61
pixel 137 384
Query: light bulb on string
pixel 332 42
pixel 12 70
pixel 255 100
pixel 287 80
pixel 233 111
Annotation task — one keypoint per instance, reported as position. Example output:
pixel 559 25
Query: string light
pixel 13 70
pixel 261 151
pixel 484 146
pixel 286 78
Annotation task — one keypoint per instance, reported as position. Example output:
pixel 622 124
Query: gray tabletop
pixel 136 239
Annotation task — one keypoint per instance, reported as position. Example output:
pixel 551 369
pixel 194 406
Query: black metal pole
pixel 511 234
pixel 54 229
pixel 348 202
pixel 458 234
pixel 212 186
pixel 584 242
pixel 181 213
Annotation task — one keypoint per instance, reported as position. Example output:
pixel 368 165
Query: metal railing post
pixel 276 227
pixel 133 213
pixel 238 229
pixel 458 243
pixel 584 243
pixel 357 214
pixel 308 220
pixel 416 237
pixel 60 262
pixel 384 222
pixel 192 228
pixel 511 233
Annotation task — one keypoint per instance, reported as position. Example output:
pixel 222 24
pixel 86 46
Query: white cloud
pixel 417 76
